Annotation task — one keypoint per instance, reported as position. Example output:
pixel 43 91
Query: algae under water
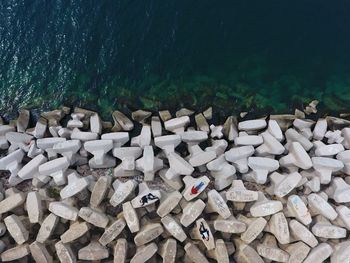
pixel 269 56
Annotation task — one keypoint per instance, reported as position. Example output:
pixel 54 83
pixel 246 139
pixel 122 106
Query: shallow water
pixel 265 56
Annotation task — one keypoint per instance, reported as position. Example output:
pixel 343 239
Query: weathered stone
pixel 112 231
pixel 270 146
pixel 222 171
pixel 122 191
pixel 216 203
pixel 320 205
pixel 297 252
pixel 40 253
pixel 319 254
pixel 177 125
pixel 297 157
pixel 93 251
pixel 203 232
pixel 193 137
pixel 300 232
pixel 93 217
pixel 140 115
pixel 339 190
pixel 168 250
pixel 2 229
pixel 201 122
pixel 278 226
pixel 64 210
pixel 293 136
pixel 76 184
pixel 340 253
pixel 245 253
pixel 40 128
pixel 95 123
pixel 261 167
pixel 99 149
pixel 252 125
pixel 328 231
pixel 168 203
pixel 174 183
pixel 31 169
pixel 191 212
pixel 34 207
pixel 47 227
pixel 297 208
pixel 99 191
pixel 53 116
pixel 244 139
pixel 184 112
pixel 178 166
pixel 3 130
pixel 131 217
pixel 194 253
pixel 174 228
pixel 269 250
pixel 216 131
pixel 75 231
pixel 23 120
pixel 16 229
pixel 144 253
pixel 194 186
pixel 83 135
pixel 320 129
pixel 230 129
pixel 127 155
pixel 48 143
pixel 55 169
pixel 156 127
pixel 148 163
pixel 220 253
pixel 120 251
pixel 265 207
pixel 239 156
pixel 76 121
pixel 283 184
pixel 344 214
pixel 345 158
pixel 15 253
pixel 328 150
pixel 324 168
pixel 144 139
pixel 335 137
pixel 12 163
pixel 255 227
pixel 147 233
pixel 164 115
pixel 146 196
pixel 65 253
pixel 124 122
pixel 34 150
pixel 12 202
pixel 118 138
pixel 199 157
pixel 168 143
pixel 68 149
pixel 230 225
pixel 238 193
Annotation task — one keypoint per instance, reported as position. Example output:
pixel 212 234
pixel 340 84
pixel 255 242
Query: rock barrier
pixel 174 188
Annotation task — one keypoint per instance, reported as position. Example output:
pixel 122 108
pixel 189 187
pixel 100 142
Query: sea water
pixel 236 55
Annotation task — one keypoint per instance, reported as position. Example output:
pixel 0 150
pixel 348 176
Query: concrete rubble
pixel 174 187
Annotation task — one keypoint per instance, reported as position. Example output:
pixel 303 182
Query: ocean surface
pixel 236 55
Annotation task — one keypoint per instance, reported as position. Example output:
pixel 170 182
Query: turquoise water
pixel 262 56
